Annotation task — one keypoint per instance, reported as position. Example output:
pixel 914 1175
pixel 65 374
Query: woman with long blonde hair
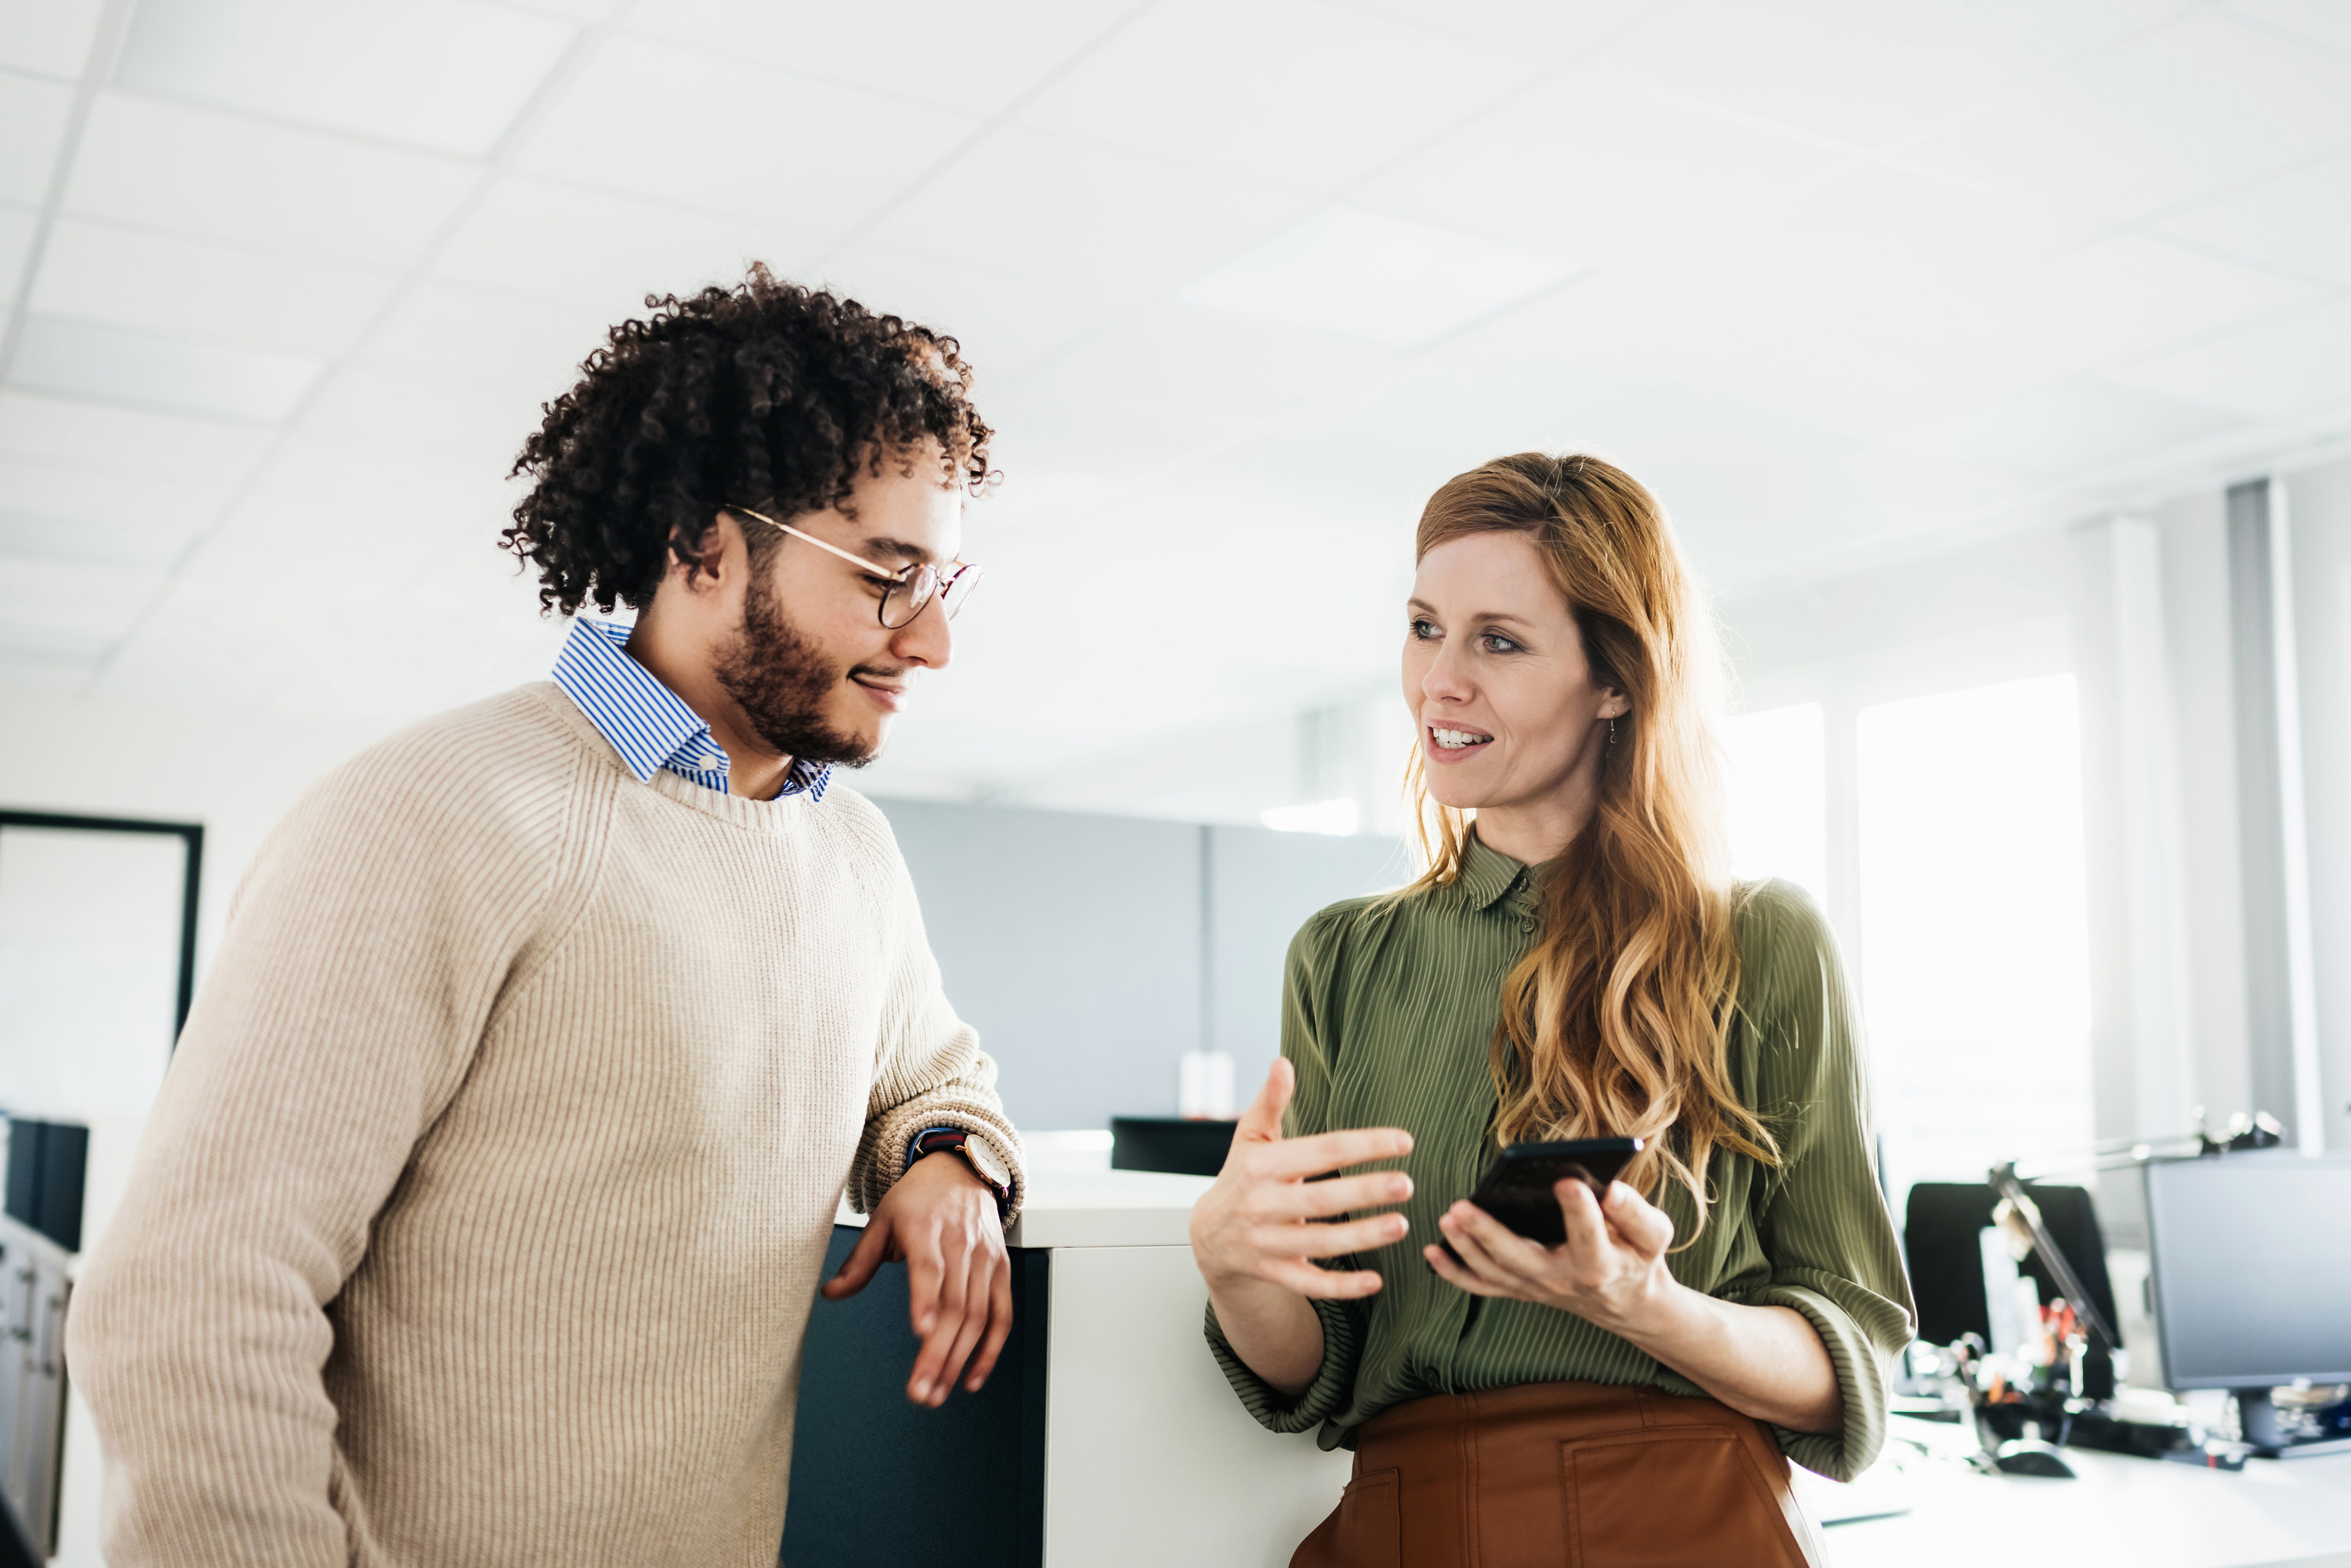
pixel 1575 962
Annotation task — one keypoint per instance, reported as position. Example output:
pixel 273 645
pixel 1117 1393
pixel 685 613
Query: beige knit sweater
pixel 480 1216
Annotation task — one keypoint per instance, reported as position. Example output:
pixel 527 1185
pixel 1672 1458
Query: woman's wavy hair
pixel 1616 1021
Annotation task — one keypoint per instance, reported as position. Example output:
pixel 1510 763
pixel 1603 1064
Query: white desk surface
pixel 2142 1514
pixel 1098 1209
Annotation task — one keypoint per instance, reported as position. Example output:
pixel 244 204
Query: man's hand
pixel 941 1219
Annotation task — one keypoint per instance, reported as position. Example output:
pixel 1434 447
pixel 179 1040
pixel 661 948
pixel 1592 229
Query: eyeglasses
pixel 911 587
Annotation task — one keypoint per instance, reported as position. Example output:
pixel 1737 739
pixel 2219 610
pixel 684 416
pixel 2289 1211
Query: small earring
pixel 1612 732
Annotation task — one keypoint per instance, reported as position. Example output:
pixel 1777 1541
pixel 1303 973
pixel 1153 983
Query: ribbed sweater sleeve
pixel 366 949
pixel 1820 1218
pixel 928 1069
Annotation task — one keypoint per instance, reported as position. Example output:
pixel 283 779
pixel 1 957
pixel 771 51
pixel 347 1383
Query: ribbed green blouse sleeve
pixel 1820 1218
pixel 1344 1323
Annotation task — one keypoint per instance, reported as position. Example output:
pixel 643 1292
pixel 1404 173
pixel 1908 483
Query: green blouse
pixel 1388 1008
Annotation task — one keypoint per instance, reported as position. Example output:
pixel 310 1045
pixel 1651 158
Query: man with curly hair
pixel 480 1216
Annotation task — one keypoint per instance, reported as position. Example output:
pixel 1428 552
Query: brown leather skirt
pixel 1574 1474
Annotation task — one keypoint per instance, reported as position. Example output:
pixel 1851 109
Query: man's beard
pixel 782 681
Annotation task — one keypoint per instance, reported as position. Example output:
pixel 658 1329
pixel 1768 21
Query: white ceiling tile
pixel 2298 221
pixel 1289 89
pixel 2285 367
pixel 579 13
pixel 1872 234
pixel 1369 275
pixel 181 504
pixel 325 544
pixel 146 545
pixel 483 426
pixel 974 57
pixel 680 125
pixel 1584 166
pixel 71 605
pixel 1004 321
pixel 609 250
pixel 16 228
pixel 127 441
pixel 2073 429
pixel 160 283
pixel 1860 71
pixel 1538 27
pixel 2115 298
pixel 1210 367
pixel 1105 226
pixel 2327 23
pixel 2188 109
pixel 150 370
pixel 512 342
pixel 32 115
pixel 445 74
pixel 51 38
pixel 223 177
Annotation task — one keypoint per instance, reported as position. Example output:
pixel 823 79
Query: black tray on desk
pixel 1184 1145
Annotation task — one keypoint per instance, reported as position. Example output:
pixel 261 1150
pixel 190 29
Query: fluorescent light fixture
pixel 57 539
pixel 114 365
pixel 445 74
pixel 1370 275
pixel 1337 818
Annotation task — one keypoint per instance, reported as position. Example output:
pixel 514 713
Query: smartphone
pixel 1518 1187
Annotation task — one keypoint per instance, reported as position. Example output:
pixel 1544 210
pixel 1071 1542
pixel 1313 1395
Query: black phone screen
pixel 1518 1185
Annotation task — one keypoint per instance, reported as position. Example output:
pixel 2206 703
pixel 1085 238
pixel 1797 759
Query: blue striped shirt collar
pixel 648 723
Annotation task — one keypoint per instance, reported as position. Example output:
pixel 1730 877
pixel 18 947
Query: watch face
pixel 983 1160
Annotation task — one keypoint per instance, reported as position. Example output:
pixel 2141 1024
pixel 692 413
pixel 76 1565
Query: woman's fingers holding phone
pixel 1639 1224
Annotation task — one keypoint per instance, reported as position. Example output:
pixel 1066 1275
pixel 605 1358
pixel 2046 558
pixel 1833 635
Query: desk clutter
pixel 2248 1289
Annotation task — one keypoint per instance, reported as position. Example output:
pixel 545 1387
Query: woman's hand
pixel 1764 1362
pixel 1265 1220
pixel 1611 1270
pixel 1256 1233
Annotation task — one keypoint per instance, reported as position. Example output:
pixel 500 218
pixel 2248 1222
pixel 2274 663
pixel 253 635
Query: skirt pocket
pixel 1677 1498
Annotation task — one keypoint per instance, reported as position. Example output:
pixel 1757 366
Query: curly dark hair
pixel 766 395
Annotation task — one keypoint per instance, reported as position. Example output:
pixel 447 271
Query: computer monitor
pixel 2252 1260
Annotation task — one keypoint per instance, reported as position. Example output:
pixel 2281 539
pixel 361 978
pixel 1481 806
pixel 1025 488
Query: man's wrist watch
pixel 976 1153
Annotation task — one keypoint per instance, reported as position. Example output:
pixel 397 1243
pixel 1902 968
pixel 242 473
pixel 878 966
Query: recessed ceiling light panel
pixel 446 74
pixel 1371 276
pixel 228 380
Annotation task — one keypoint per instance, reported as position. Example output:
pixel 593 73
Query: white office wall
pixel 1262 886
pixel 1090 951
pixel 1072 943
pixel 2317 509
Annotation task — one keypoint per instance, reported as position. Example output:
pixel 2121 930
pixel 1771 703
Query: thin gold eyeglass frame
pixel 940 580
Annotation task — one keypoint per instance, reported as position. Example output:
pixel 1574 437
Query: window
pixel 1779 813
pixel 1975 927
